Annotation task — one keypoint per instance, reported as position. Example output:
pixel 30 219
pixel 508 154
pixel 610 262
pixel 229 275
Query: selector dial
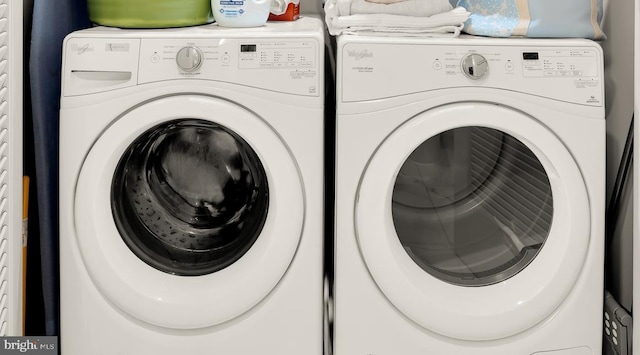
pixel 189 58
pixel 474 66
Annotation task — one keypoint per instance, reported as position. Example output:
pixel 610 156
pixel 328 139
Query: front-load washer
pixel 191 190
pixel 470 186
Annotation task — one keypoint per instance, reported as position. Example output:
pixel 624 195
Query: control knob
pixel 189 58
pixel 474 66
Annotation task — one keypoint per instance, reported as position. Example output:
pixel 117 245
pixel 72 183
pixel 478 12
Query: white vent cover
pixel 11 238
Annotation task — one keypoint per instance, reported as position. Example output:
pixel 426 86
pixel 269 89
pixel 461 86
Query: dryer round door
pixel 473 219
pixel 188 211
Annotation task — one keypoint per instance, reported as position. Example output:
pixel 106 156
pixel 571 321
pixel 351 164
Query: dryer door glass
pixel 189 197
pixel 472 206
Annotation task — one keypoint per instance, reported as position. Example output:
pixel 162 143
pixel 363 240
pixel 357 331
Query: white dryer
pixel 191 190
pixel 470 186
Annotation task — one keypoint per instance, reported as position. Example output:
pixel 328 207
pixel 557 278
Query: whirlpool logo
pixel 359 54
pixel 80 49
pixel 29 345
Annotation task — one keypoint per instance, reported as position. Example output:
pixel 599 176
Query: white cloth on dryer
pixel 408 7
pixel 384 1
pixel 444 24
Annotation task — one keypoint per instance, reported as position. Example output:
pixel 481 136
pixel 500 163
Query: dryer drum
pixel 189 197
pixel 472 206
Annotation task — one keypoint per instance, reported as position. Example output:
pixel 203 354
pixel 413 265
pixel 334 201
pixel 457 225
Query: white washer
pixel 191 190
pixel 470 186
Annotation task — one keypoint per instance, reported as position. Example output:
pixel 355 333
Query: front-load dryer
pixel 470 187
pixel 191 190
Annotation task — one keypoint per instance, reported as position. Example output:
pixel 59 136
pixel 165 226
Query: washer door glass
pixel 472 206
pixel 189 197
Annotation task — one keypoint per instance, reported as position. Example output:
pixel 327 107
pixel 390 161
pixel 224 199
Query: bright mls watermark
pixel 29 345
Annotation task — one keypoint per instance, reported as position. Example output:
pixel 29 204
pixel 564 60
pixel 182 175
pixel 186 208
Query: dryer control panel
pixel 559 63
pixel 571 73
pixel 288 65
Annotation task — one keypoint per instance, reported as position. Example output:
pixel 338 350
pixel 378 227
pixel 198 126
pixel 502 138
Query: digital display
pixel 248 48
pixel 530 56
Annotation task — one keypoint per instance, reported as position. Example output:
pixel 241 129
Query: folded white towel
pixel 446 24
pixel 408 7
pixel 385 1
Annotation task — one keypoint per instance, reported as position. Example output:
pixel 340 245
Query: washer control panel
pixel 284 65
pixel 279 64
pixel 571 73
pixel 272 55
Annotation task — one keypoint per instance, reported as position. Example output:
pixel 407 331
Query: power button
pixel 509 66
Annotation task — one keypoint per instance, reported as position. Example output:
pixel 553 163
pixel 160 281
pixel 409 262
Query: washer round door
pixel 188 211
pixel 473 219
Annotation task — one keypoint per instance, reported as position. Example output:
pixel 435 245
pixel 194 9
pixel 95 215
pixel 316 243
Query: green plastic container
pixel 150 13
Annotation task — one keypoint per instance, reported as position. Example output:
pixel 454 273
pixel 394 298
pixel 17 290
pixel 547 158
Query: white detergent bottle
pixel 241 13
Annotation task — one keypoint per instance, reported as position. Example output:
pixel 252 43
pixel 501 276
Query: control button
pixel 606 316
pixel 615 325
pixel 437 65
pixel 606 323
pixel 226 59
pixel 615 334
pixel 606 330
pixel 155 58
pixel 509 66
pixel 189 59
pixel 615 341
pixel 474 66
